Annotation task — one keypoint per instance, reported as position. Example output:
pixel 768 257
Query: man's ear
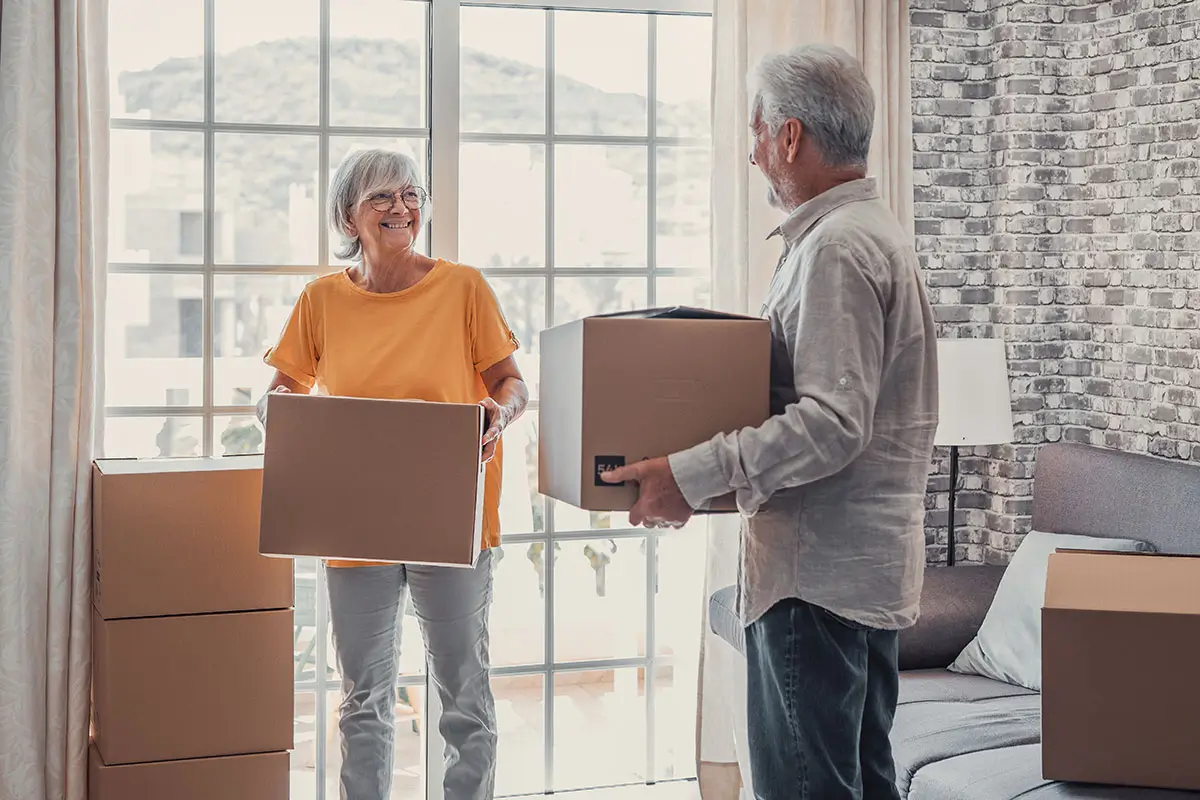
pixel 793 130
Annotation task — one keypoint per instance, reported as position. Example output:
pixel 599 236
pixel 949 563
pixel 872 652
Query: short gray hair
pixel 360 175
pixel 826 89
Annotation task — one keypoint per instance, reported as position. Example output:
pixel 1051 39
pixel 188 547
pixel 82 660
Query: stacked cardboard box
pixel 192 635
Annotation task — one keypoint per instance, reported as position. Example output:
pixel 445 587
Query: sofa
pixel 965 737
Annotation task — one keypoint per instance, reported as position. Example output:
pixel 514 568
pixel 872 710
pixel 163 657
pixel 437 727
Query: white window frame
pixel 444 138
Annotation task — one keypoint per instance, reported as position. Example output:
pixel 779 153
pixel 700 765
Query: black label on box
pixel 608 464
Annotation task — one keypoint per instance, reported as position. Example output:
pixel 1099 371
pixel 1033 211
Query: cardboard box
pixel 373 480
pixel 1120 656
pixel 181 537
pixel 620 388
pixel 169 688
pixel 263 776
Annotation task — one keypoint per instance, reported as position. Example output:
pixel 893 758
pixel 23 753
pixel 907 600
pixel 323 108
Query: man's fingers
pixel 621 474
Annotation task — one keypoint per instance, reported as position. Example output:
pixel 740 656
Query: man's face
pixel 765 153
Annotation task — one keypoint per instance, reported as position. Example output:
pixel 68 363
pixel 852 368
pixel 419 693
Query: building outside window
pixel 567 156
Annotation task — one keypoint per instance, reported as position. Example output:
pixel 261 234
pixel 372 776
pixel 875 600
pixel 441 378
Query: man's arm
pixel 834 320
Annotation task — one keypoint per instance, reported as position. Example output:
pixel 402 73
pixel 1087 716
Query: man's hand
pixel 495 421
pixel 660 503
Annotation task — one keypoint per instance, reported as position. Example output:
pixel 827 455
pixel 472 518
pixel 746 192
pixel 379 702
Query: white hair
pixel 825 88
pixel 361 174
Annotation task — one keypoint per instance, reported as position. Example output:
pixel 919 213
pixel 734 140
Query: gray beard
pixel 773 199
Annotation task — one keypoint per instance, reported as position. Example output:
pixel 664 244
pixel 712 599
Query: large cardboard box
pixel 373 480
pixel 1120 659
pixel 616 389
pixel 262 776
pixel 168 688
pixel 181 537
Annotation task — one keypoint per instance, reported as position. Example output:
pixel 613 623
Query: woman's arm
pixel 508 396
pixel 280 383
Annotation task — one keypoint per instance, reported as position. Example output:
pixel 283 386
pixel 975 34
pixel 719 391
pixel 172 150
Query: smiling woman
pixel 397 324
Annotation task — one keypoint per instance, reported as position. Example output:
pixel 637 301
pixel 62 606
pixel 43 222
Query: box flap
pixel 1147 583
pixel 158 466
pixel 671 312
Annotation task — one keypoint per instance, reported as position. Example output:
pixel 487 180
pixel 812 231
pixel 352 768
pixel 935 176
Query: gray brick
pixel 1057 192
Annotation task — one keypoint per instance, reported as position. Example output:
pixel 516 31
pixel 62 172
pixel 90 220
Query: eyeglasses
pixel 413 197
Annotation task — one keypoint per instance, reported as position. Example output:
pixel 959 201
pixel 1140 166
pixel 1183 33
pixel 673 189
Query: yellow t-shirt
pixel 429 342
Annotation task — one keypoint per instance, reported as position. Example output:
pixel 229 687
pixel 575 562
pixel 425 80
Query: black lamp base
pixel 950 543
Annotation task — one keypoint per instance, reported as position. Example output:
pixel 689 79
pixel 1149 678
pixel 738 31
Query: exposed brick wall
pixel 1056 171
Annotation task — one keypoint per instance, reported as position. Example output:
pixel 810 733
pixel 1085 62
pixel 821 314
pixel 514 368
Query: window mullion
pixel 208 300
pixel 444 101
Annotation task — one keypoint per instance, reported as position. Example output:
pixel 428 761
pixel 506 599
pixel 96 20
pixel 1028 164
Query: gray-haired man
pixel 833 484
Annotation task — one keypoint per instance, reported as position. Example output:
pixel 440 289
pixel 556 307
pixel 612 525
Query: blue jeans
pixel 452 604
pixel 822 696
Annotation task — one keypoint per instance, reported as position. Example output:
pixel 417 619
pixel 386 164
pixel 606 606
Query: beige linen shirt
pixel 832 485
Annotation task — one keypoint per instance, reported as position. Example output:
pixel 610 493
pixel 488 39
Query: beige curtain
pixel 53 191
pixel 876 31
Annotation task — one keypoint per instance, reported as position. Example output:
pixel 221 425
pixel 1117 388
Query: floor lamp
pixel 974 406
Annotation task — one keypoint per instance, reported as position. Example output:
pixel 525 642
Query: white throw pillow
pixel 1008 646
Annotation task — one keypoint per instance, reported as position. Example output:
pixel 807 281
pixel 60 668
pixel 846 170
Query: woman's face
pixel 387 222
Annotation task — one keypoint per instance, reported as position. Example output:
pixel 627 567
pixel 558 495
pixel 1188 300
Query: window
pixel 567 155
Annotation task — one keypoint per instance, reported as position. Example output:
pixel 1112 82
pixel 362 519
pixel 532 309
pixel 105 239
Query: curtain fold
pixel 53 196
pixel 877 33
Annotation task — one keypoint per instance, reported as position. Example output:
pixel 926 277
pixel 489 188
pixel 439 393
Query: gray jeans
pixel 452 605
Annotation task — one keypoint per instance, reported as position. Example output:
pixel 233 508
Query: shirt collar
pixel 802 220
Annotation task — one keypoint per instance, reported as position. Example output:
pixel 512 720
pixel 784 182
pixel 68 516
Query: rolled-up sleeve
pixel 832 317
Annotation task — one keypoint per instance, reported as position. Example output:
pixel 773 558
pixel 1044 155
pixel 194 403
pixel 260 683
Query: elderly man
pixel 833 483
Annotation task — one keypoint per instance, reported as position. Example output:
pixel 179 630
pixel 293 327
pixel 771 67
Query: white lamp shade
pixel 974 405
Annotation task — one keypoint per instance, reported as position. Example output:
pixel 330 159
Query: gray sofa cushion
pixel 1013 772
pixel 723 617
pixel 941 686
pixel 928 732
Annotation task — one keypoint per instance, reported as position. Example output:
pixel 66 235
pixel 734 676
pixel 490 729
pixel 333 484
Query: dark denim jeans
pixel 822 696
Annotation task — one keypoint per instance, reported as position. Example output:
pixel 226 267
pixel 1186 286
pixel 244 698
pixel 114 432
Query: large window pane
pixel 599 599
pixel 520 723
pixel 153 76
pixel 523 301
pixel 503 71
pixel 266 191
pixel 522 509
pixel 600 206
pixel 518 616
pixel 153 437
pixel 416 149
pixel 154 338
pixel 576 298
pixel 267 61
pixel 156 192
pixel 240 435
pixel 682 190
pixel 502 205
pixel 599 728
pixel 684 75
pixel 675 719
pixel 303 757
pixel 377 63
pixel 682 562
pixel 694 291
pixel 600 73
pixel 249 313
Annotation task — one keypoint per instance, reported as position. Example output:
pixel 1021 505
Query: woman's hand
pixel 495 421
pixel 506 400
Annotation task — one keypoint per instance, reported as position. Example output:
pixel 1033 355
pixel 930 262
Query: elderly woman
pixel 400 325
